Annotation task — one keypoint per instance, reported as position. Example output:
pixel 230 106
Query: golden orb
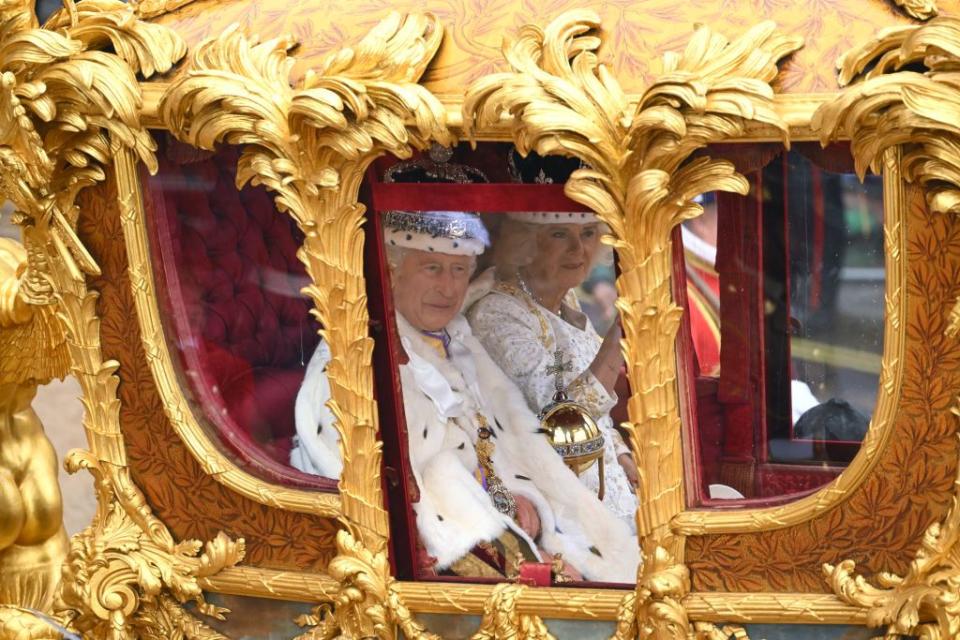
pixel 574 434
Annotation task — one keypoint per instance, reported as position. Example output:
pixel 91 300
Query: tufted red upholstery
pixel 232 281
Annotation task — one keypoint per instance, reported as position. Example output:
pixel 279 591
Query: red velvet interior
pixel 731 412
pixel 230 280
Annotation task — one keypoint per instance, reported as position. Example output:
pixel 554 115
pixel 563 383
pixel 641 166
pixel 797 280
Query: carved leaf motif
pixel 310 144
pixel 641 182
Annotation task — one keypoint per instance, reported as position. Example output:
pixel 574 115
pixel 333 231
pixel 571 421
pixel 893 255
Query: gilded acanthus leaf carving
pixel 641 181
pixel 919 9
pixel 903 92
pixel 502 621
pixel 310 145
pixel 66 107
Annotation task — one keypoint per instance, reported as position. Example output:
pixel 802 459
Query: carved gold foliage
pixel 904 95
pixel 919 9
pixel 131 574
pixel 655 609
pixel 890 103
pixel 502 621
pixel 310 145
pixel 367 603
pixel 925 602
pixel 641 181
pixel 17 623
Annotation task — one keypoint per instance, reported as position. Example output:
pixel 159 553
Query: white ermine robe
pixel 441 399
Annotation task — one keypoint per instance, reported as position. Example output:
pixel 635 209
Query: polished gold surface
pixel 704 521
pixel 310 145
pixel 919 9
pixel 501 619
pixel 33 542
pixel 888 103
pixel 179 411
pixel 564 103
pixel 572 432
pixel 924 602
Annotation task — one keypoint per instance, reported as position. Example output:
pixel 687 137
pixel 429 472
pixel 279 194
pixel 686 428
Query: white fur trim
pixel 553 217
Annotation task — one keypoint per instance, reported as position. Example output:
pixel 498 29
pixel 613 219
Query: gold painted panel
pixel 636 32
pixel 881 523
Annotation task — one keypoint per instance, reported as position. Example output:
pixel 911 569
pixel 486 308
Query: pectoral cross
pixel 558 368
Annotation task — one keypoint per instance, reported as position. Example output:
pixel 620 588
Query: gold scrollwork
pixel 894 112
pixel 888 104
pixel 641 182
pixel 367 603
pixel 926 601
pixel 502 620
pixel 33 542
pixel 66 107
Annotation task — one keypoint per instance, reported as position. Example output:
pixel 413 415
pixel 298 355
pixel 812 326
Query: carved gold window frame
pixel 795 113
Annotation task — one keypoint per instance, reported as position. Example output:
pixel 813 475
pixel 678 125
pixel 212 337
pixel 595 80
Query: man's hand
pixel 630 469
pixel 527 517
pixel 425 562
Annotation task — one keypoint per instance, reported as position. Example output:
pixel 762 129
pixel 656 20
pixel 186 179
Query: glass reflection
pixel 229 281
pixel 784 290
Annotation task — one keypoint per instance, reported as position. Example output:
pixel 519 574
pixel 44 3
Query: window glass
pixel 783 334
pixel 504 361
pixel 235 318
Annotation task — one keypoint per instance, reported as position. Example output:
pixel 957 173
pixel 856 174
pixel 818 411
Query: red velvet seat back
pixel 232 281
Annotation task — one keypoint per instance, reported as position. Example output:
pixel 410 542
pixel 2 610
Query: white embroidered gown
pixel 522 337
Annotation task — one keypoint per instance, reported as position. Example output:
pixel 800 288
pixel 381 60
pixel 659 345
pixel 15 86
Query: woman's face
pixel 565 253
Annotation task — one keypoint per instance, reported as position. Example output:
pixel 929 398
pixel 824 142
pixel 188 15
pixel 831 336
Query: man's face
pixel 428 287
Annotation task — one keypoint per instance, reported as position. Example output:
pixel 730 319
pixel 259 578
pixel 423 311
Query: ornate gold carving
pixel 502 620
pixel 147 9
pixel 888 106
pixel 709 631
pixel 65 107
pixel 702 522
pixel 213 461
pixel 890 114
pixel 925 601
pixel 33 542
pixel 367 603
pixel 564 103
pixel 310 145
pixel 17 623
pixel 919 9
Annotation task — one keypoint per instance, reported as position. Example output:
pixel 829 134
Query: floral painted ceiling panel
pixel 637 31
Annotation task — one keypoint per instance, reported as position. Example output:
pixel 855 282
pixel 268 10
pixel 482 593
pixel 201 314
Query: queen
pixel 530 320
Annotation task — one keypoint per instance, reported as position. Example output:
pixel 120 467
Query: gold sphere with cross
pixel 569 427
